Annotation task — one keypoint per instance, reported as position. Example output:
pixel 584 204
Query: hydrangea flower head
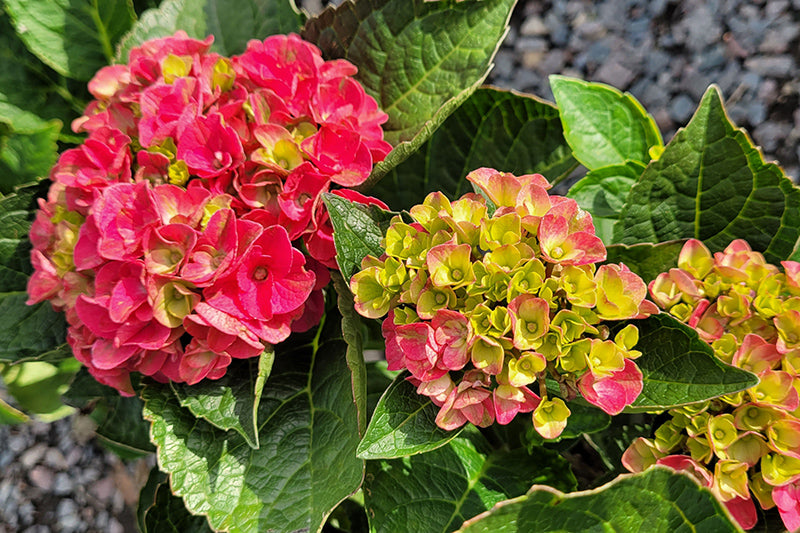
pixel 188 228
pixel 481 308
pixel 746 444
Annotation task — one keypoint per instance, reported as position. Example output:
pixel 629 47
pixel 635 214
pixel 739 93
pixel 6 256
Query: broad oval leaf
pixel 657 501
pixel 27 331
pixel 357 231
pixel 602 192
pixel 603 125
pixel 499 129
pixel 679 368
pixel 232 22
pixel 436 491
pixel 646 260
pixel 73 37
pixel 712 184
pixel 308 433
pixel 230 402
pixel 404 423
pixel 419 60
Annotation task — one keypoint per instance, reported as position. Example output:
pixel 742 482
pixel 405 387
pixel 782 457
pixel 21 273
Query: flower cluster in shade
pixel 483 305
pixel 188 228
pixel 743 446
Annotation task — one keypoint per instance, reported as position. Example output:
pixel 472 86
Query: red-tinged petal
pixel 95 317
pixel 682 463
pixel 613 393
pixel 106 356
pixel 743 511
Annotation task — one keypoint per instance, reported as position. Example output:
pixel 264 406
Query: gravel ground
pixel 57 478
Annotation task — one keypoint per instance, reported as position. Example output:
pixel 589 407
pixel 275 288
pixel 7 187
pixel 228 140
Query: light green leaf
pixel 357 231
pixel 404 423
pixel 28 331
pixel 678 367
pixel 232 23
pixel 420 60
pixel 647 260
pixel 657 501
pixel 308 433
pixel 351 332
pixel 604 126
pixel 437 491
pixel 602 193
pixel 712 184
pixel 25 155
pixel 230 402
pixel 73 37
pixel 9 415
pixel 160 511
pixel 37 386
pixel 498 129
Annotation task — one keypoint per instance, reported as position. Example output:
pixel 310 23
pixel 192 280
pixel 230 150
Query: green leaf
pixel 679 368
pixel 602 193
pixel 28 330
pixel 159 511
pixel 17 210
pixel 25 155
pixel 657 501
pixel 357 231
pixel 379 377
pixel 230 402
pixel 308 431
pixel 351 332
pixel 9 415
pixel 404 423
pixel 437 491
pixel 604 126
pixel 37 386
pixel 647 260
pixel 120 426
pixel 73 37
pixel 493 128
pixel 420 60
pixel 232 23
pixel 712 184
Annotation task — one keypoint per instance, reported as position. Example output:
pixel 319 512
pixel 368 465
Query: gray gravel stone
pixel 778 66
pixel 681 108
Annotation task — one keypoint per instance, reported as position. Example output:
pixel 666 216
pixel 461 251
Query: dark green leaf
pixel 230 402
pixel 602 192
pixel 646 260
pixel 712 184
pixel 308 431
pixel 404 423
pixel 679 368
pixel 120 426
pixel 231 22
pixel 351 332
pixel 159 511
pixel 612 443
pixel 420 60
pixel 583 419
pixel 26 155
pixel 379 377
pixel 357 231
pixel 603 126
pixel 28 330
pixel 437 491
pixel 657 501
pixel 73 37
pixel 16 213
pixel 493 128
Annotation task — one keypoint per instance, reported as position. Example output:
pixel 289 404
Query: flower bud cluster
pixel 482 306
pixel 745 444
pixel 188 228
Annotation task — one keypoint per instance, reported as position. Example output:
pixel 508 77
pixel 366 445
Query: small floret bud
pixel 550 418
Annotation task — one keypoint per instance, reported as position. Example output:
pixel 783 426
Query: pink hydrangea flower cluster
pixel 188 228
pixel 745 444
pixel 482 306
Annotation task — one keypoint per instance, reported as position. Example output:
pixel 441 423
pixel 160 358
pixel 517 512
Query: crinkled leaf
pixel 679 368
pixel 120 426
pixel 357 231
pixel 16 213
pixel 351 332
pixel 603 125
pixel 160 511
pixel 37 386
pixel 647 260
pixel 28 330
pixel 493 128
pixel 231 22
pixel 420 60
pixel 404 423
pixel 656 501
pixel 308 433
pixel 230 402
pixel 602 193
pixel 28 147
pixel 712 184
pixel 437 491
pixel 10 415
pixel 73 37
